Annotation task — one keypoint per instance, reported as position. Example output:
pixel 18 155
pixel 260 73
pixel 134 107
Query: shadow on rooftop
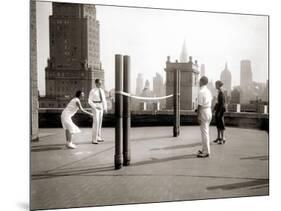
pixel 161 160
pixel 70 172
pixel 263 157
pixel 178 146
pixel 252 183
pixel 50 147
pixel 151 138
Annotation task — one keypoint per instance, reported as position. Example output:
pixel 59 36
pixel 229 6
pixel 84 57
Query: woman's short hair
pixel 78 93
pixel 219 83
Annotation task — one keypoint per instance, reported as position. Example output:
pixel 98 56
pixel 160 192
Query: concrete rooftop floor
pixel 163 168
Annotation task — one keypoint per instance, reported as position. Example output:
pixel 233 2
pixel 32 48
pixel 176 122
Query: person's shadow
pixel 42 148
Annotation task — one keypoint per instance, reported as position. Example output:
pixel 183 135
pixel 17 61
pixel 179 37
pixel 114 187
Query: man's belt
pixel 97 101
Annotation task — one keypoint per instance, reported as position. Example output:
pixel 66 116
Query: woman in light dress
pixel 70 128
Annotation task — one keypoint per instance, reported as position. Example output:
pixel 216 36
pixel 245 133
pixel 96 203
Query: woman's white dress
pixel 66 115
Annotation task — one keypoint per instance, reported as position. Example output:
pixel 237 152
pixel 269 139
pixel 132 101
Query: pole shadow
pixel 43 148
pixel 178 146
pixel 70 172
pixel 232 186
pixel 263 157
pixel 162 160
pixel 150 138
pixel 51 147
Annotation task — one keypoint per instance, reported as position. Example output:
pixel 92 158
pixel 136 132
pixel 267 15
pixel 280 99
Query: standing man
pixel 204 115
pixel 98 104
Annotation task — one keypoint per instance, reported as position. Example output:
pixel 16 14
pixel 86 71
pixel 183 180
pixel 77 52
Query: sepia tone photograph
pixel 134 105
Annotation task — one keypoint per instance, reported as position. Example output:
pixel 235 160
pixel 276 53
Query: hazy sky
pixel 150 35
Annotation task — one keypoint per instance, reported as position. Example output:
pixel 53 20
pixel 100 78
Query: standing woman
pixel 70 128
pixel 219 114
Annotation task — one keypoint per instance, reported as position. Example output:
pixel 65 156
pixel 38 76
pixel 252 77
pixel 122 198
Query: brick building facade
pixel 189 83
pixel 74 61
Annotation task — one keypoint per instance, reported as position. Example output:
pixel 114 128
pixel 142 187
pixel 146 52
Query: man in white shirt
pixel 204 115
pixel 97 101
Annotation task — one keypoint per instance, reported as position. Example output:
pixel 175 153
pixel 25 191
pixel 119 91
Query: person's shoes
pixel 202 155
pixel 221 142
pixel 100 140
pixel 95 142
pixel 71 146
pixel 217 140
pixel 200 152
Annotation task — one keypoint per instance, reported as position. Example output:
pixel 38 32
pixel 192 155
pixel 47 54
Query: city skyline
pixel 149 36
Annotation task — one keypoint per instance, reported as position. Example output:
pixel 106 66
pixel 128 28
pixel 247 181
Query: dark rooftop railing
pixel 50 118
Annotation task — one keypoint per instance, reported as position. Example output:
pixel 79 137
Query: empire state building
pixel 226 78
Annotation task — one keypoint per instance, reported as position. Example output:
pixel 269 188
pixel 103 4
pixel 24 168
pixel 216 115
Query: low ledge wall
pixel 50 118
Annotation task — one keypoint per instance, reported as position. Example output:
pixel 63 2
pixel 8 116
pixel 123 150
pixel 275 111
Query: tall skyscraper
pixel 246 82
pixel 139 84
pixel 147 85
pixel 158 85
pixel 226 79
pixel 202 70
pixel 74 61
pixel 183 55
pixel 159 89
pixel 246 75
pixel 235 95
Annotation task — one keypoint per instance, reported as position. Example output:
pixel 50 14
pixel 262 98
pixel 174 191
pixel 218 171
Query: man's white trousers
pixel 97 123
pixel 206 117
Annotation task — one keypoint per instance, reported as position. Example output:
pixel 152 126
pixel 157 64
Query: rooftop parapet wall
pixel 50 118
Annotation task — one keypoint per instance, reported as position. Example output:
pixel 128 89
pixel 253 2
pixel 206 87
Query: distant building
pixel 235 95
pixel 202 70
pixel 246 82
pixel 189 83
pixel 212 88
pixel 159 89
pixel 74 61
pixel 139 84
pixel 260 91
pixel 226 78
pixel 158 85
pixel 146 86
pixel 183 55
pixel 246 75
pixel 143 104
